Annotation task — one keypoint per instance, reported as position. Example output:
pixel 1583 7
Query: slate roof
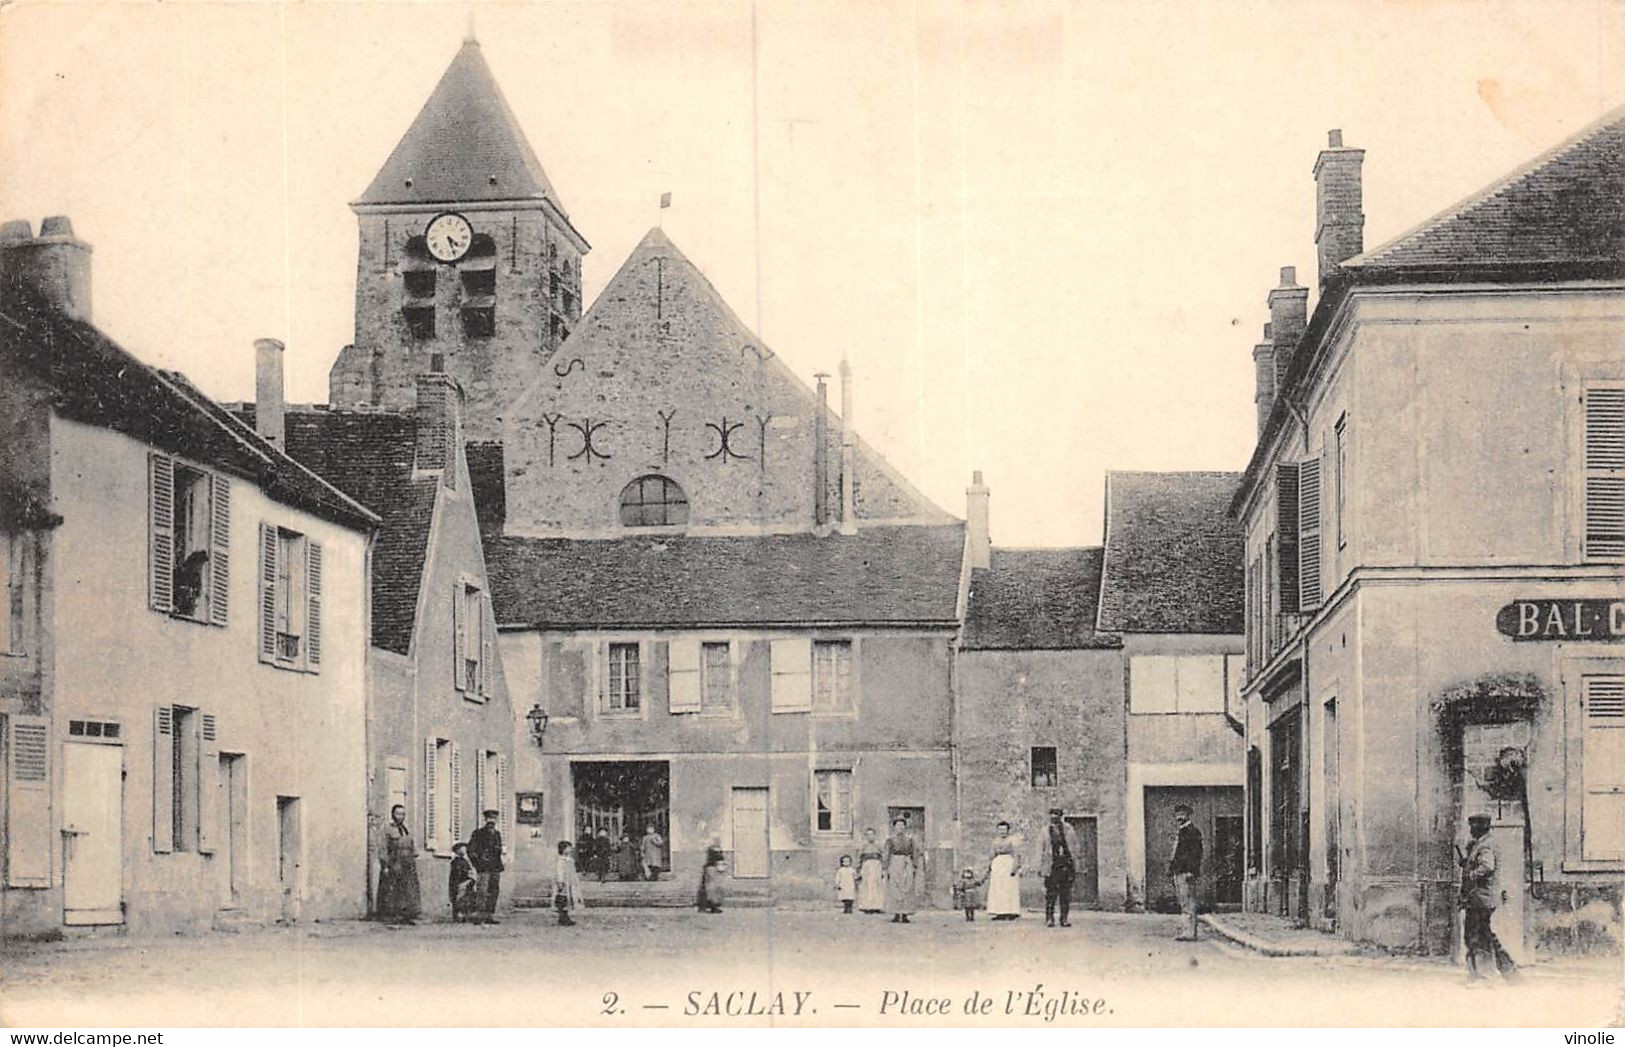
pixel 902 575
pixel 1035 599
pixel 369 455
pixel 1565 207
pixel 464 145
pixel 94 380
pixel 1173 560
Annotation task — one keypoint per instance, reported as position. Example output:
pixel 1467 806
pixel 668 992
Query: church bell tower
pixel 467 258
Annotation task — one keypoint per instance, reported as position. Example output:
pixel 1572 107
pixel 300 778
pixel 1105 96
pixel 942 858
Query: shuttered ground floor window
pixel 1602 767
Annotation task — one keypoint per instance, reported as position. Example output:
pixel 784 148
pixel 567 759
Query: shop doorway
pixel 1289 822
pixel 622 797
pixel 1216 811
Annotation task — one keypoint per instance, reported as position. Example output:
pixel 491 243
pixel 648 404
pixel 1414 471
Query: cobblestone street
pixel 678 967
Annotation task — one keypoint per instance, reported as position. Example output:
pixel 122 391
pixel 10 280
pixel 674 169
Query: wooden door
pixel 750 833
pixel 290 856
pixel 1086 888
pixel 92 837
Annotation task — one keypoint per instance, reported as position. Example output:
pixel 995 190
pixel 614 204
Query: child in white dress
pixel 846 884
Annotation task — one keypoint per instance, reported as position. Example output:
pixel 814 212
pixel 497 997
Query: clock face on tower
pixel 448 237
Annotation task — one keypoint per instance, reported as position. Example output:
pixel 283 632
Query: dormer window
pixel 653 501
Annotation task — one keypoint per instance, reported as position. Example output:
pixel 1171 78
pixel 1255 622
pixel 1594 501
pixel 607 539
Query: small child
pixel 460 888
pixel 566 885
pixel 846 884
pixel 967 894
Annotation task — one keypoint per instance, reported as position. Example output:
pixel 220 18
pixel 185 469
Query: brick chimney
pixel 56 264
pixel 978 540
pixel 849 442
pixel 1264 378
pixel 821 457
pixel 1289 314
pixel 439 425
pixel 1339 203
pixel 270 408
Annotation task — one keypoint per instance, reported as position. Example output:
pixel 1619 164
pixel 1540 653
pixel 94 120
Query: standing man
pixel 398 896
pixel 485 851
pixel 603 854
pixel 1184 867
pixel 651 852
pixel 1058 865
pixel 1478 898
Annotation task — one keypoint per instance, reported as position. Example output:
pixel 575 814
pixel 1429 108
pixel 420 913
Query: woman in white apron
pixel 1004 877
pixel 871 875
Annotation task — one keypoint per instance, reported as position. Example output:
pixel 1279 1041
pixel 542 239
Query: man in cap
pixel 1185 866
pixel 485 851
pixel 1057 863
pixel 1478 898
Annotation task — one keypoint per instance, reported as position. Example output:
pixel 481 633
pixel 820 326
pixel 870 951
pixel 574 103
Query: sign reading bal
pixel 1593 620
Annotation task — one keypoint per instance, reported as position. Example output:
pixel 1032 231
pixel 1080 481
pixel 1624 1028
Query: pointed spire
pixel 464 146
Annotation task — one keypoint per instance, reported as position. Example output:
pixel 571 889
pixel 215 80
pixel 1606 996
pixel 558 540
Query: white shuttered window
pixel 1602 814
pixel 791 661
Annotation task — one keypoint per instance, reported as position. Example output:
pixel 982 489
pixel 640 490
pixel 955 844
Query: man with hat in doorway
pixel 485 851
pixel 1185 866
pixel 1478 898
pixel 1058 864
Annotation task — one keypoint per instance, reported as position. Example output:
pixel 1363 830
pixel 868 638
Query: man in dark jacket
pixel 485 851
pixel 1184 867
pixel 1057 864
pixel 1478 898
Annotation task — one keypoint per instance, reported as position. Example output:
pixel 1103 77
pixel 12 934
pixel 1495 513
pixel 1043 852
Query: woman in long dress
pixel 398 898
pixel 1004 877
pixel 903 861
pixel 871 874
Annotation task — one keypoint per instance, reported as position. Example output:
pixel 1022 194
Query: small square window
pixel 480 322
pixel 419 322
pixel 1045 775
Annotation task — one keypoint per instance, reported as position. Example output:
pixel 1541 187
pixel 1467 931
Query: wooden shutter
pixel 163 780
pixel 456 795
pixel 1309 535
pixel 487 643
pixel 219 548
pixel 430 822
pixel 565 669
pixel 161 532
pixel 1604 474
pixel 313 605
pixel 481 801
pixel 1286 536
pixel 683 675
pixel 792 674
pixel 1602 814
pixel 268 574
pixel 209 807
pixel 457 635
pixel 29 793
pixel 504 804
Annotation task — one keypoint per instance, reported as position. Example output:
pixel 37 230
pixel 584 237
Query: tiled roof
pixel 880 576
pixel 1173 561
pixel 369 455
pixel 1565 207
pixel 94 380
pixel 487 479
pixel 465 145
pixel 1035 599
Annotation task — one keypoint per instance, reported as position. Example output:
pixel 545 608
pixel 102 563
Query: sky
pixel 1042 233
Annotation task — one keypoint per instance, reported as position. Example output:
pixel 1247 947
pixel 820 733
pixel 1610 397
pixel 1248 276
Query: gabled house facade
pixel 1171 588
pixel 440 727
pixel 181 690
pixel 1433 520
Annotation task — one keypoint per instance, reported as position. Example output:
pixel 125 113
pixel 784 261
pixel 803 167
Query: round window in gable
pixel 653 501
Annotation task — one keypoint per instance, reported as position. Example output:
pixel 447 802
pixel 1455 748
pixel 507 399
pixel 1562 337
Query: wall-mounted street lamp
pixel 537 718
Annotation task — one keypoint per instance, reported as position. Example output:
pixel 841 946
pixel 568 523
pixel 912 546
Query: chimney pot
pixel 1268 327
pixel 270 408
pixel 56 264
pixel 1334 138
pixel 1289 275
